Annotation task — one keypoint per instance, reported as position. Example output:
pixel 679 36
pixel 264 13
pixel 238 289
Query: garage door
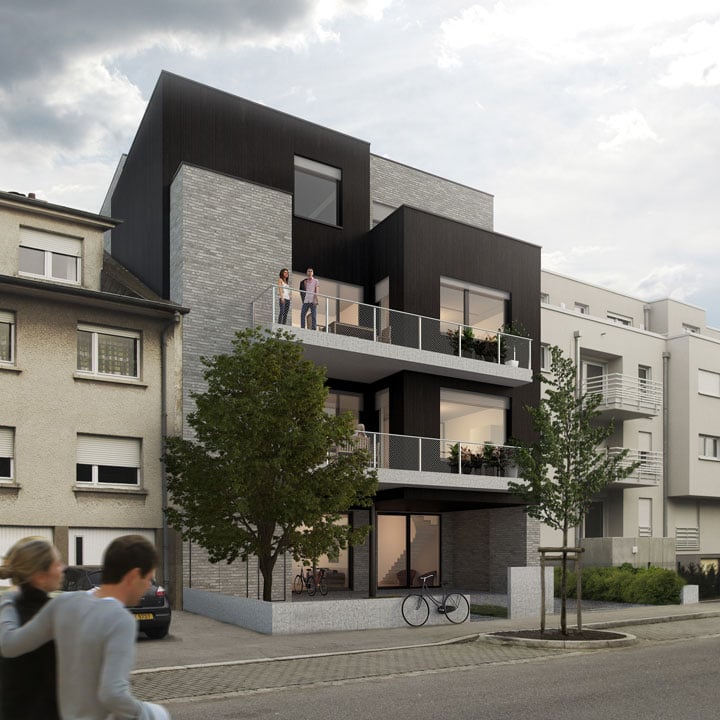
pixel 87 545
pixel 9 535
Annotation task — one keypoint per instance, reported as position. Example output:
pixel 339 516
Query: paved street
pixel 218 662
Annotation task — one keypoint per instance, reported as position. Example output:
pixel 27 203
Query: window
pixel 339 403
pixel 709 447
pixel 477 307
pixel 104 460
pixel 103 351
pixel 7 452
pixel 582 309
pixel 545 356
pixel 408 547
pixel 693 329
pixel 472 417
pixel 7 337
pixel 46 255
pixel 620 319
pixel 317 191
pixel 544 299
pixel 708 383
pixel 644 517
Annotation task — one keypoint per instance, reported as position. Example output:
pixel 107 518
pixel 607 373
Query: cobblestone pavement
pixel 264 674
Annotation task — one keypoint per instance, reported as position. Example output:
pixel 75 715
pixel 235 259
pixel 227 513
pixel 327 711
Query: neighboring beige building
pixel 657 365
pixel 90 381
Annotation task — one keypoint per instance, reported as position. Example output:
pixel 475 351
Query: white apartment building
pixel 657 366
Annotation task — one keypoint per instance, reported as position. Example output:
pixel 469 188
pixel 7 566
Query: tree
pixel 261 478
pixel 564 468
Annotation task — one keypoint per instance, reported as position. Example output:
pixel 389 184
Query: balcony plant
pixel 508 345
pixel 458 454
pixel 462 340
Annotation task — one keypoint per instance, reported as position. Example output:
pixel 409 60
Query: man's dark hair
pixel 126 553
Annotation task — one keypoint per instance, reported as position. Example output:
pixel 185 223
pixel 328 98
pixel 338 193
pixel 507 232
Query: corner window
pixel 317 191
pixel 7 452
pixel 107 460
pixel 45 255
pixel 472 417
pixel 709 447
pixel 475 306
pixel 708 383
pixel 104 351
pixel 7 337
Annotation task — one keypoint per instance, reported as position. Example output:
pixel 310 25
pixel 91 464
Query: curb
pixel 624 641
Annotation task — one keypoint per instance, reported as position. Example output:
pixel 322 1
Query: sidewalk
pixel 196 640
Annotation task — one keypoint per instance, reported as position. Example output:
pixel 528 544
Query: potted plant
pixel 462 341
pixel 509 345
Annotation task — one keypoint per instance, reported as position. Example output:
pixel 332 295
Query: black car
pixel 153 613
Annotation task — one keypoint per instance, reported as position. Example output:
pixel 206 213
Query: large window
pixel 108 460
pixel 710 447
pixel 7 452
pixel 46 255
pixel 102 351
pixel 408 547
pixel 708 383
pixel 338 403
pixel 475 306
pixel 7 337
pixel 472 417
pixel 317 191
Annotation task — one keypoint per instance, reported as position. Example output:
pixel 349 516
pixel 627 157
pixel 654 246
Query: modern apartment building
pixel 657 367
pixel 217 194
pixel 89 382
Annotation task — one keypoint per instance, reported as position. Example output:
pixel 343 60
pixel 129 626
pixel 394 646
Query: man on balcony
pixel 309 293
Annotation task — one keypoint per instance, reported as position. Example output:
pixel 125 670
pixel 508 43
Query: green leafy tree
pixel 263 476
pixel 564 468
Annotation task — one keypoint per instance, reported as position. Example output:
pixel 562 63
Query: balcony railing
pixel 648 472
pixel 396 327
pixel 422 454
pixel 626 392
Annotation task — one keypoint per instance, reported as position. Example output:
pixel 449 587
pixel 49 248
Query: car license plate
pixel 144 616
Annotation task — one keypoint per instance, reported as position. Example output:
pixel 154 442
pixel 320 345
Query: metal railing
pixel 626 390
pixel 650 468
pixel 394 327
pixel 422 454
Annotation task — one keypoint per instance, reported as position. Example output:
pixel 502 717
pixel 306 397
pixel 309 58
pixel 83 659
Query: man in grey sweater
pixel 94 637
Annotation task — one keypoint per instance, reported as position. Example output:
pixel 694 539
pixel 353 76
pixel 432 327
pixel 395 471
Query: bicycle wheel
pixel 297 586
pixel 415 610
pixel 457 607
pixel 311 586
pixel 323 586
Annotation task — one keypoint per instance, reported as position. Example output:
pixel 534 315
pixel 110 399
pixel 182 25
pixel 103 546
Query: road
pixel 656 679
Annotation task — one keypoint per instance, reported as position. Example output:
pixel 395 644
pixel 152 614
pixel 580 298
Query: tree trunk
pixel 267 565
pixel 563 583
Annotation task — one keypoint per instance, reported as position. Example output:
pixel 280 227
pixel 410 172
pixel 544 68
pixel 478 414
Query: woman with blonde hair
pixel 27 683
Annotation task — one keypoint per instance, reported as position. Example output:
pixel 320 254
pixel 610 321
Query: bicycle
pixel 416 610
pixel 310 581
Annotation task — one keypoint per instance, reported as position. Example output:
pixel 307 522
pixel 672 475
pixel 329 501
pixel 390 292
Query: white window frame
pixel 709 448
pixel 544 298
pixel 7 450
pixel 95 331
pixel 51 244
pixel 620 319
pixel 545 357
pixel 100 451
pixel 8 318
pixel 582 309
pixel 708 383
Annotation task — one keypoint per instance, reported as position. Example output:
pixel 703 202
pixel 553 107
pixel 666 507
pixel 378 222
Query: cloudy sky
pixel 596 125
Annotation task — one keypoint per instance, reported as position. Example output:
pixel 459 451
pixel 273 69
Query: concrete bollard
pixel 690 595
pixel 524 591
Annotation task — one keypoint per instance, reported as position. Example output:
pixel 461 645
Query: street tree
pixel 565 467
pixel 263 475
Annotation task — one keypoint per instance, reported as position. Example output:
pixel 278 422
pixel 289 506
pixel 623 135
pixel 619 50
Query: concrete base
pixel 285 618
pixel 524 592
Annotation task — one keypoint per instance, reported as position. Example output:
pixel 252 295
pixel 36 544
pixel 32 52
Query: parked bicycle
pixel 416 609
pixel 310 581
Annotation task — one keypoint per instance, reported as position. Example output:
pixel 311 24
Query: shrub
pixel 626 584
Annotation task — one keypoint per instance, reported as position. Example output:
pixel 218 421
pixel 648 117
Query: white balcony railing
pixel 396 327
pixel 625 391
pixel 422 454
pixel 648 472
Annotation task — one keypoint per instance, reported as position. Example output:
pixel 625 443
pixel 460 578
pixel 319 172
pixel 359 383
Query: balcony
pixel 647 474
pixel 625 397
pixel 420 462
pixel 365 343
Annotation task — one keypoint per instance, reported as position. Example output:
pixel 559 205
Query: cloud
pixel 627 127
pixel 695 57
